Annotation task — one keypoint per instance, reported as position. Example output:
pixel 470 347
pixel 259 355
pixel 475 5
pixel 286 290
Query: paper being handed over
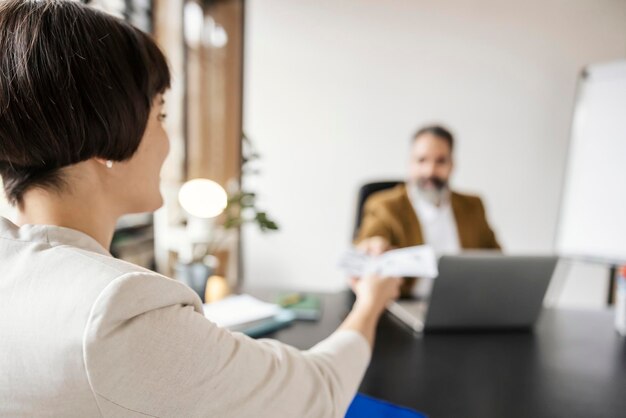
pixel 419 261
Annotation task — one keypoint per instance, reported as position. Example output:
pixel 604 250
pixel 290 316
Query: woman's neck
pixel 88 213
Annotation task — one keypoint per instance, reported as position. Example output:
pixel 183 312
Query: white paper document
pixel 238 310
pixel 419 261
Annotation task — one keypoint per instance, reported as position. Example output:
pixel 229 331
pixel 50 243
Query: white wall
pixel 334 89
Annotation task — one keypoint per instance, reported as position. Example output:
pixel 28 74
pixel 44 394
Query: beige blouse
pixel 83 334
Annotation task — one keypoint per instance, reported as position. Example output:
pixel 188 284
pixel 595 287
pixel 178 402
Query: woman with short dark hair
pixel 81 333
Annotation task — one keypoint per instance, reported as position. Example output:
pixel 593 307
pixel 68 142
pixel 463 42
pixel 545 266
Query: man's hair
pixel 75 83
pixel 438 131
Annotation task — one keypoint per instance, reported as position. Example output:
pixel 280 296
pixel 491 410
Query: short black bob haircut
pixel 438 131
pixel 75 83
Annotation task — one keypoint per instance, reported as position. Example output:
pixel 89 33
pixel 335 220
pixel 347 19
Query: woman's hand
pixel 374 293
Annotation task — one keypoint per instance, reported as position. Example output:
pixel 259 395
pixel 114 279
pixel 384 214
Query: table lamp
pixel 202 200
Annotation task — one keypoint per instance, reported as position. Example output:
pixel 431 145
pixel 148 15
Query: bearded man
pixel 425 210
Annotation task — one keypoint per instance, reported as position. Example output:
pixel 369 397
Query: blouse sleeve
pixel 149 351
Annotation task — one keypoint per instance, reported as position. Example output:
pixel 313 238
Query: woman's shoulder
pixel 115 267
pixel 107 282
pixel 129 289
pixel 142 290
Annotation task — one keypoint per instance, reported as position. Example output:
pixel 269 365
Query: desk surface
pixel 572 365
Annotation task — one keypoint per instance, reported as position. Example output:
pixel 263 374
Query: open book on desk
pixel 247 314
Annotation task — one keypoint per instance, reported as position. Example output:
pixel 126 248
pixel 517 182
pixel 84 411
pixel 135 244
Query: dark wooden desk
pixel 572 365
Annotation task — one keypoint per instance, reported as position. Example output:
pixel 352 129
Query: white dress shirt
pixel 439 230
pixel 437 223
pixel 83 334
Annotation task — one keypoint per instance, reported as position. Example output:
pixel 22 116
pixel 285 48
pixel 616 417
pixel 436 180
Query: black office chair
pixel 365 192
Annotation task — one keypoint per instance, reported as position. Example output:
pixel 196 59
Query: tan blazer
pixel 83 334
pixel 390 214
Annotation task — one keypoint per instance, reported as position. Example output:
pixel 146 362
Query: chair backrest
pixel 364 192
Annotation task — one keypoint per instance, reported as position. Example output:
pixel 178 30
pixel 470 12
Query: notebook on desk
pixel 481 291
pixel 247 314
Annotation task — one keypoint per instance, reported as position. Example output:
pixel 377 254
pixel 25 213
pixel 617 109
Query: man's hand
pixel 374 246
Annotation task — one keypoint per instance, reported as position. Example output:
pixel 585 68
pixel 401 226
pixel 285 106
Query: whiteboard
pixel 592 219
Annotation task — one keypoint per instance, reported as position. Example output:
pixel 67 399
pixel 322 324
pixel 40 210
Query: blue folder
pixel 365 407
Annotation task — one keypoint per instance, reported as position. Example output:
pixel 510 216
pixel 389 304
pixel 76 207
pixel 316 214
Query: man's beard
pixel 432 189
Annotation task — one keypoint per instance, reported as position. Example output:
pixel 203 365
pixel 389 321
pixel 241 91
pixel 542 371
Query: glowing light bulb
pixel 203 198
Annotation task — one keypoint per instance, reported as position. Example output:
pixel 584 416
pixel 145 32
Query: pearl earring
pixel 109 163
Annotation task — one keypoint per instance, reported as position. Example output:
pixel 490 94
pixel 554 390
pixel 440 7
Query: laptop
pixel 481 291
